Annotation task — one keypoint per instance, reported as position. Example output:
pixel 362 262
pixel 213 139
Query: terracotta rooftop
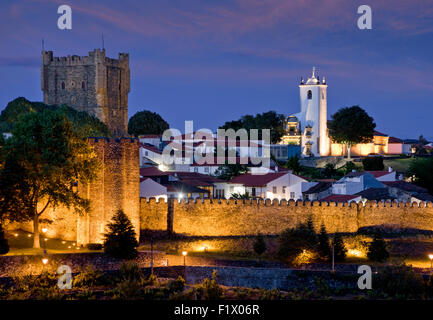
pixel 394 140
pixel 257 180
pixel 321 186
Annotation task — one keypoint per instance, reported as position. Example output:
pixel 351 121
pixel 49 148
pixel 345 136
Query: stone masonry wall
pixel 231 218
pixel 116 187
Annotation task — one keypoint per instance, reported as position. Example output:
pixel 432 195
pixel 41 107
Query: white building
pixel 311 122
pixel 274 185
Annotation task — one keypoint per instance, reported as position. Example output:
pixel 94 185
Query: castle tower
pixel 95 84
pixel 313 117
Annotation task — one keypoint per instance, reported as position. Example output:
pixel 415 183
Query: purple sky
pixel 213 61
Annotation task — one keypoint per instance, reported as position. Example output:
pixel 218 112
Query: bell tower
pixel 313 116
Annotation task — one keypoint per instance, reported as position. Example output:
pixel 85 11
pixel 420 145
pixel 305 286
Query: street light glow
pixel 184 253
pixel 44 260
pixel 44 230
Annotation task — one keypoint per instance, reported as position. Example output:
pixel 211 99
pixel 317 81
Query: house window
pixel 284 189
pixel 146 153
pixel 274 189
pixel 309 95
pixel 206 169
pixel 253 192
pixel 195 169
pixel 292 195
pixel 308 131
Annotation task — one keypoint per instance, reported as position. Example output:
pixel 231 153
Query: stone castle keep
pixel 95 84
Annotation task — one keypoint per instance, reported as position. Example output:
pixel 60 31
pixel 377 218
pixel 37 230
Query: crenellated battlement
pixel 291 202
pixel 216 217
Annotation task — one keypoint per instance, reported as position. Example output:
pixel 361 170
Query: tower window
pixel 309 95
pixel 63 85
pixel 83 85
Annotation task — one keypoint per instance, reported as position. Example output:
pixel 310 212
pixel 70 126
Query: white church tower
pixel 313 117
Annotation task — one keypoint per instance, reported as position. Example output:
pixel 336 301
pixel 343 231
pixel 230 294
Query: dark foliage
pixel 324 247
pixel 373 163
pixel 267 120
pixel 293 241
pixel 259 245
pixel 400 282
pixel 228 171
pixel 4 246
pixel 422 171
pixel 146 122
pixel 84 124
pixel 120 242
pixel 377 249
pixel 339 248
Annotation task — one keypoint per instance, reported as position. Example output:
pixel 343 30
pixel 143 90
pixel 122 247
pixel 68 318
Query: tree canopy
pixel 42 162
pixel 422 172
pixel 267 120
pixel 350 126
pixel 84 124
pixel 146 122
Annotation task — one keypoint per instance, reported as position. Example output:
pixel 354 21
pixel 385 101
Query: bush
pixel 4 246
pixel 294 241
pixel 120 242
pixel 129 289
pixel 94 246
pixel 209 289
pixel 373 163
pixel 259 245
pixel 89 277
pixel 400 282
pixel 177 285
pixel 339 248
pixel 131 271
pixel 377 250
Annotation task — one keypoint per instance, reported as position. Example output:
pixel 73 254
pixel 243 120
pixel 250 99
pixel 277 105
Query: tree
pixel 350 126
pixel 294 241
pixel 43 161
pixel 324 245
pixel 339 248
pixel 228 171
pixel 146 122
pixel 259 245
pixel 422 172
pixel 377 249
pixel 373 163
pixel 293 164
pixel 4 246
pixel 267 120
pixel 422 140
pixel 84 124
pixel 329 171
pixel 120 241
pixel 349 167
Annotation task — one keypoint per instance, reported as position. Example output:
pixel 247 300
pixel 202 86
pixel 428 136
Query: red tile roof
pixel 150 148
pixel 394 140
pixel 377 133
pixel 340 197
pixel 153 172
pixel 378 174
pixel 257 180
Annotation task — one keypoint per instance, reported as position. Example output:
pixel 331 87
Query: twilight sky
pixel 213 61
